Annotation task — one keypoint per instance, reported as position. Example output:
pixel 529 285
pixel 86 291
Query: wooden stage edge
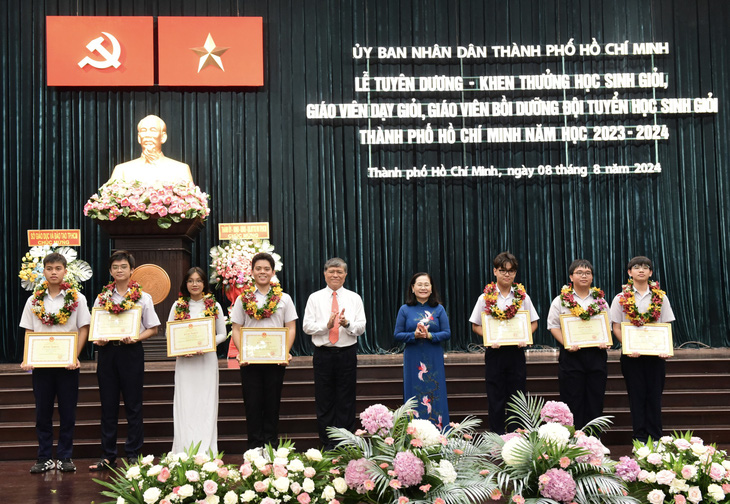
pixel 540 355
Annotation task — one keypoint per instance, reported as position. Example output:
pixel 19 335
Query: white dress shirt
pixel 318 312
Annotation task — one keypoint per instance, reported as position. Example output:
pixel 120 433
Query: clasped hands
pixel 421 331
pixel 343 321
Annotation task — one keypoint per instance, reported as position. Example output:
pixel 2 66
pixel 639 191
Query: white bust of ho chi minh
pixel 152 167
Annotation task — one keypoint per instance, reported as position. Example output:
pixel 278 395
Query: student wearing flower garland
pixel 263 304
pixel 642 302
pixel 505 368
pixel 120 363
pixel 195 404
pixel 56 306
pixel 582 372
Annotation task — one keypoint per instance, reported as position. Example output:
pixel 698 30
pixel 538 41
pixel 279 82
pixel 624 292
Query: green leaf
pixel 164 222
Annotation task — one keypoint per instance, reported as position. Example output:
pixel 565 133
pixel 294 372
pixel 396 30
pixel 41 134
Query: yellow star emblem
pixel 209 54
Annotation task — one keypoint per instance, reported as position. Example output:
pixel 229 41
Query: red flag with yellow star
pixel 210 51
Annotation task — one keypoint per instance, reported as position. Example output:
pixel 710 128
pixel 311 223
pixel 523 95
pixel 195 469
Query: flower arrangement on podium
pixel 136 201
pixel 676 469
pixel 549 461
pixel 31 269
pixel 397 458
pixel 230 264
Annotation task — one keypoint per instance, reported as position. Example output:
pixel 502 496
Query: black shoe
pixel 102 465
pixel 66 465
pixel 42 466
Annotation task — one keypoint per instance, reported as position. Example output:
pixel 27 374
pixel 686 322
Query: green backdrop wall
pixel 260 159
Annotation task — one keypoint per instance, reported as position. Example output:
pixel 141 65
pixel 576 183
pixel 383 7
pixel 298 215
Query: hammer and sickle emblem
pixel 110 58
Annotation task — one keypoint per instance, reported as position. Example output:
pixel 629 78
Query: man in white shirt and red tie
pixel 335 318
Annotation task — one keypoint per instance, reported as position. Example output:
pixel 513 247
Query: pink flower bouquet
pixel 547 460
pixel 396 459
pixel 135 201
pixel 677 469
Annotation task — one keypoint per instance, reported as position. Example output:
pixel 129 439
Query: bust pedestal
pixel 170 248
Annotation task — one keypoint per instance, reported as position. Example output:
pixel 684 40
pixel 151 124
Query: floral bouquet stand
pixel 156 224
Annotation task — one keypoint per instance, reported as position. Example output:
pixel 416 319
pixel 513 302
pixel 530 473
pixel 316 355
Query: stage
pixel 695 397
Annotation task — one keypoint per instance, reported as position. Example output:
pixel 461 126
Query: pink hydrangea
pixel 556 411
pixel 357 473
pixel 377 419
pixel 594 446
pixel 408 468
pixel 558 485
pixel 627 469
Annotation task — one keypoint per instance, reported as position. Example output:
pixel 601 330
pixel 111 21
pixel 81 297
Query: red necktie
pixel 335 331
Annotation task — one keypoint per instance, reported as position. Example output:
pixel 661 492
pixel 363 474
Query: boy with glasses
pixel 582 372
pixel 505 367
pixel 120 363
pixel 642 302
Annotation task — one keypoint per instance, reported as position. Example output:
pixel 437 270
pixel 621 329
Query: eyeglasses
pixel 120 267
pixel 423 285
pixel 583 273
pixel 508 272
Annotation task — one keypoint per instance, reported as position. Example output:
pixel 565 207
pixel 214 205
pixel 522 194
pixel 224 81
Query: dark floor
pixel 52 487
pixel 18 486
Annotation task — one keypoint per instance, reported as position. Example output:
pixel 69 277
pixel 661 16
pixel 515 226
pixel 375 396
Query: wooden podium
pixel 170 248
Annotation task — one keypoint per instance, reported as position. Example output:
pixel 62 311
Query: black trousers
pixel 120 369
pixel 582 376
pixel 261 385
pixel 644 377
pixel 335 379
pixel 50 384
pixel 505 372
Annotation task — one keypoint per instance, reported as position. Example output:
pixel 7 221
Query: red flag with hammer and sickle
pixel 100 50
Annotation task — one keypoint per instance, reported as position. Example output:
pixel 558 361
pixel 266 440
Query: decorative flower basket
pixel 167 204
pixel 550 462
pixel 397 458
pixel 677 469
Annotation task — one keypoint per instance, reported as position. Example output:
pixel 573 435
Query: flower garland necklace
pixel 70 303
pixel 490 300
pixel 628 301
pixel 133 294
pixel 271 303
pixel 568 300
pixel 182 307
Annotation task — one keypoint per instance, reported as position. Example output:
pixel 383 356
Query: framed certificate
pixel 50 349
pixel 649 339
pixel 263 345
pixel 507 332
pixel 585 333
pixel 112 326
pixel 190 336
